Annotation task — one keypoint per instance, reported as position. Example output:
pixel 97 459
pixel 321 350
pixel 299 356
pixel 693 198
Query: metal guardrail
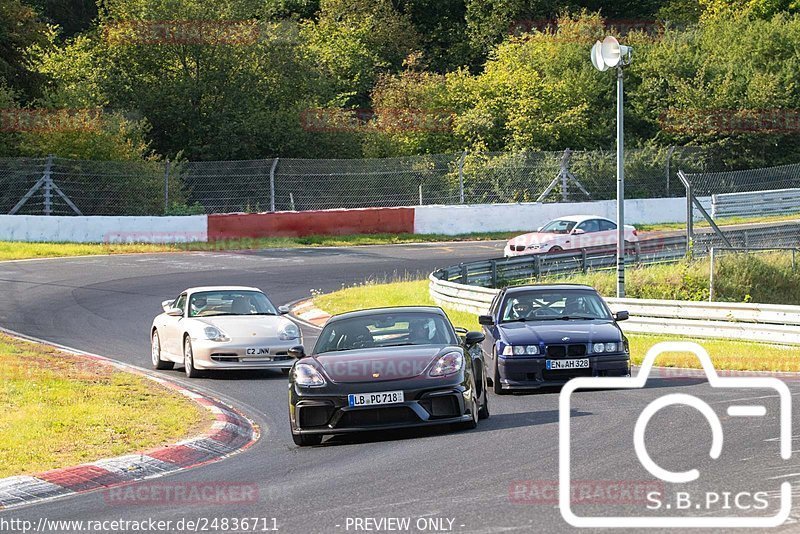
pixel 768 323
pixel 505 271
pixel 773 202
pixel 498 272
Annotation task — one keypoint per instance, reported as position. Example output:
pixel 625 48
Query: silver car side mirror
pixel 166 305
pixel 175 312
pixel 283 310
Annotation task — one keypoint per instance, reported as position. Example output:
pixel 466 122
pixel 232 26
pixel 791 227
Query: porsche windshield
pixel 211 303
pixel 551 305
pixel 386 330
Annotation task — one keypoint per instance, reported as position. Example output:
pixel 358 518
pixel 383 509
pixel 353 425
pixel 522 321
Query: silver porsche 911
pixel 222 328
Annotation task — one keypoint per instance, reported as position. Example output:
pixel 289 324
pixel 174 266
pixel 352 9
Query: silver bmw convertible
pixel 222 328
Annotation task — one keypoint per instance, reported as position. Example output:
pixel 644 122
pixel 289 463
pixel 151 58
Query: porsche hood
pixel 380 364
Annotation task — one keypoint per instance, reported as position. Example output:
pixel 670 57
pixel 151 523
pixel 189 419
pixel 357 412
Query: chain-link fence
pixel 62 186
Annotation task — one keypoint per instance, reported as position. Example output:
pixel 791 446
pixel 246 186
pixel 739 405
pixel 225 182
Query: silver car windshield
pixel 214 303
pixel 386 330
pixel 549 305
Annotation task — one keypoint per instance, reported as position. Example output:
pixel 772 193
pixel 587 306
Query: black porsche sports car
pixel 384 369
pixel 545 335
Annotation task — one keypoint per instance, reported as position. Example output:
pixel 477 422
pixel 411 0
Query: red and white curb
pixel 307 312
pixel 230 434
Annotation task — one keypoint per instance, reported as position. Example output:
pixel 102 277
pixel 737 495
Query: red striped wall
pixel 304 223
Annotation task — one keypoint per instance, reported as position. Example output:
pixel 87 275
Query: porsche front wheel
pixel 188 359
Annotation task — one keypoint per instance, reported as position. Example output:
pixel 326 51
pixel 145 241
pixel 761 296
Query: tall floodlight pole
pixel 620 191
pixel 605 55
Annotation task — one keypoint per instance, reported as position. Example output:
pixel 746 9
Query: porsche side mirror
pixel 297 352
pixel 485 320
pixel 175 312
pixel 166 305
pixel 283 310
pixel 621 316
pixel 473 338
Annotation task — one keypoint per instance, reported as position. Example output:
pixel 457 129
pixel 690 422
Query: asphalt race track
pixel 470 480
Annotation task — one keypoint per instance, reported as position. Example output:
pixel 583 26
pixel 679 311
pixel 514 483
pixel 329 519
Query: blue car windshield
pixel 550 305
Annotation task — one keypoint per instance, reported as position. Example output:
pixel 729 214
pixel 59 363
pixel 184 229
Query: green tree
pixel 20 28
pixel 730 83
pixel 353 42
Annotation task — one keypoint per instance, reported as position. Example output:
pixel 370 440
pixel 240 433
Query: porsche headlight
pixel 521 350
pixel 288 332
pixel 307 375
pixel 448 364
pixel 215 334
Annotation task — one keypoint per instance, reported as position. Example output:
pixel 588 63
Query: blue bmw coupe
pixel 544 335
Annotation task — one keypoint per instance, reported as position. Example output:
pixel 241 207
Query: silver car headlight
pixel 307 375
pixel 288 332
pixel 215 334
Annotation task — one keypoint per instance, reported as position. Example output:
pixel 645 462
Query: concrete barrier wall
pixel 101 229
pixel 448 220
pixel 304 223
pixel 452 220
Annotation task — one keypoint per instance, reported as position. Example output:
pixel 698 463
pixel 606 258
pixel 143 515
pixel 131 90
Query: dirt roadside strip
pixel 231 433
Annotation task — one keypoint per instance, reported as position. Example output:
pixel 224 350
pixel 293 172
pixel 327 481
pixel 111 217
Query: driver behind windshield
pixel 575 306
pixel 521 310
pixel 198 305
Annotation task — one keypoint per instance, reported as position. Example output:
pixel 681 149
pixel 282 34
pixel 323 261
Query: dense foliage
pixel 246 79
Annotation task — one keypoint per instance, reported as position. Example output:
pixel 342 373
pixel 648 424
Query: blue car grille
pixel 566 351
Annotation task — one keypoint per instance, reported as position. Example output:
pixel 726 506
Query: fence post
pixel 583 260
pixel 272 185
pixel 464 274
pixel 711 276
pixel 461 175
pixel 493 263
pixel 537 266
pixel 689 217
pixel 166 187
pixel 669 162
pixel 564 172
pixel 48 185
pixel 420 193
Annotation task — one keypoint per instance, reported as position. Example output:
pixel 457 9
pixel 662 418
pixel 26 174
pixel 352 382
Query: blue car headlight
pixel 606 347
pixel 521 350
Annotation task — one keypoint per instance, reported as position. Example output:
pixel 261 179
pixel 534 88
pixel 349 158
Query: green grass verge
pixel 766 278
pixel 19 251
pixel 726 354
pixel 663 227
pixel 59 410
